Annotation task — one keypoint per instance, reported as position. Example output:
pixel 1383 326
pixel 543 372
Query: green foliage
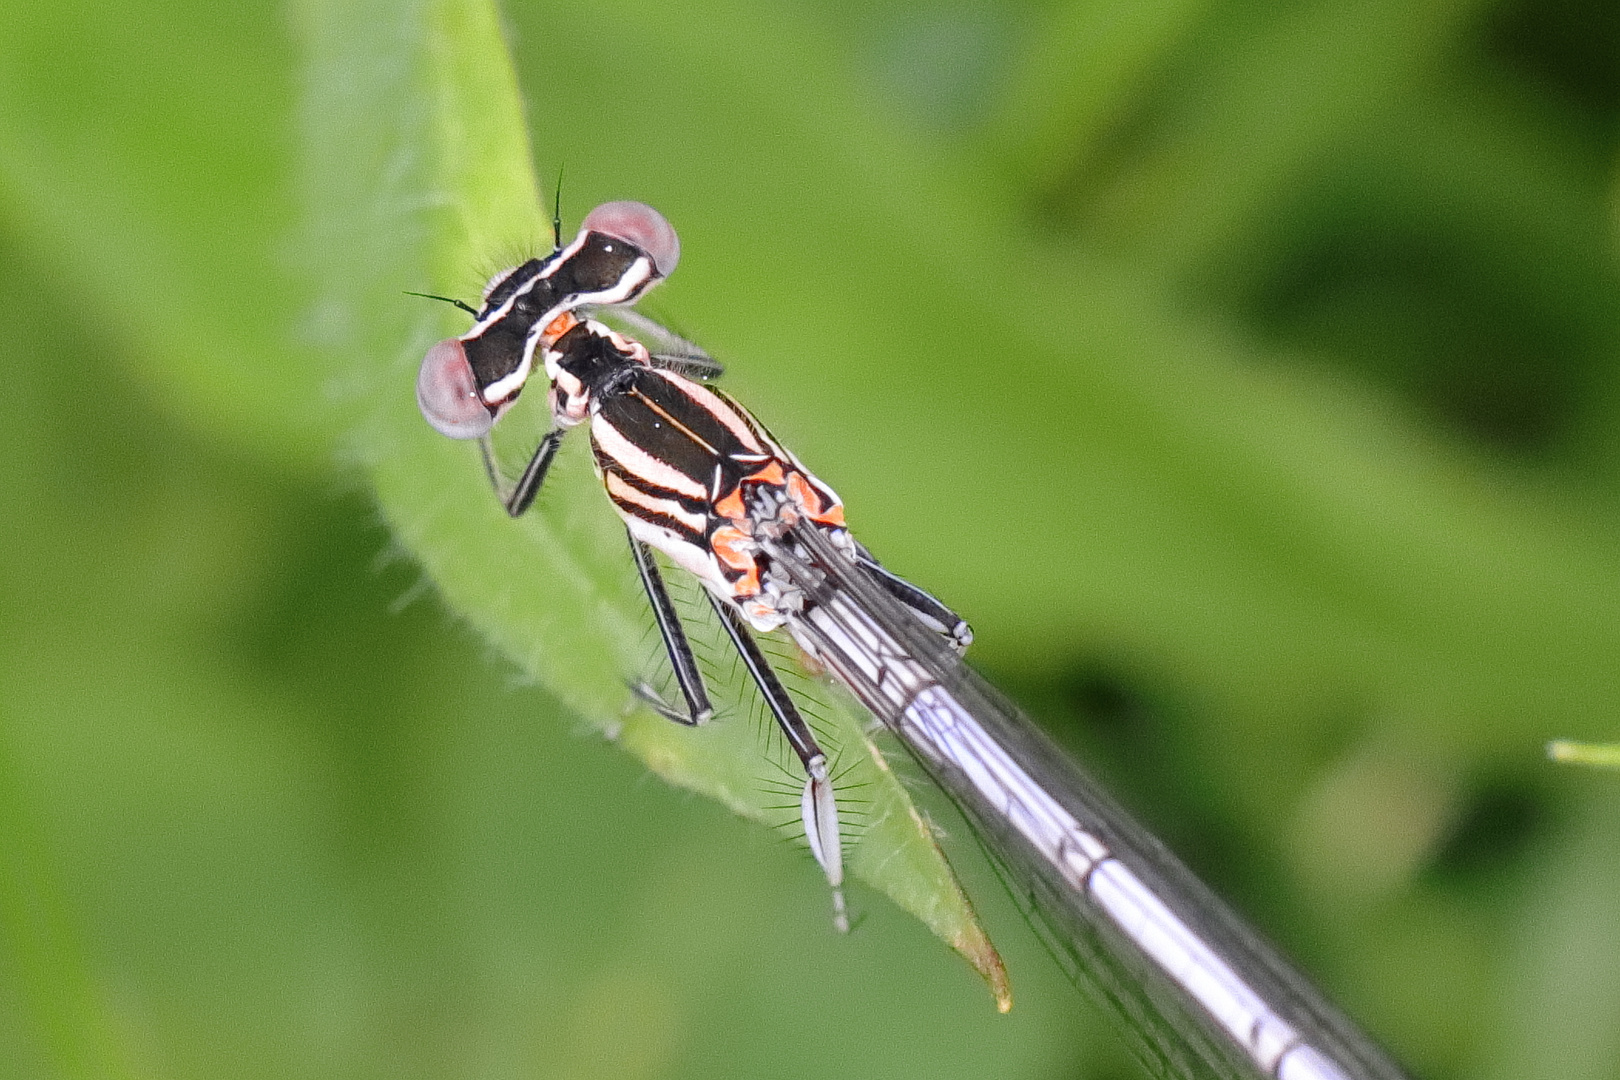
pixel 1245 374
pixel 555 591
pixel 1606 755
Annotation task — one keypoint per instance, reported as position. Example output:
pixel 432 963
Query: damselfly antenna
pixel 556 213
pixel 468 308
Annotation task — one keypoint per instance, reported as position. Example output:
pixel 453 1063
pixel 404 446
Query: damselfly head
pixel 497 280
pixel 639 224
pixel 447 393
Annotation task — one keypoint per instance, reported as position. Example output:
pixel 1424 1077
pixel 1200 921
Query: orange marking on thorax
pixel 731 547
pixel 834 517
pixel 771 474
pixel 557 327
pixel 816 506
pixel 731 507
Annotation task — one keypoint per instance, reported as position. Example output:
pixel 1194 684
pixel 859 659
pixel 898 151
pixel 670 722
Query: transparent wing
pixel 669 350
pixel 1199 992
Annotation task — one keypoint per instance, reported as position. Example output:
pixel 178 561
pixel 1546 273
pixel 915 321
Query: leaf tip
pixel 974 946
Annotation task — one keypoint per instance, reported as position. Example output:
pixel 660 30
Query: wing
pixel 669 350
pixel 1199 992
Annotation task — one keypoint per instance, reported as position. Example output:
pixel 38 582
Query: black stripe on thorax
pixel 652 412
pixel 667 392
pixel 680 528
pixel 647 486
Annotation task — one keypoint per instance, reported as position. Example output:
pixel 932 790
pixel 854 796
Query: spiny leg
pixel 933 614
pixel 817 805
pixel 687 676
pixel 521 496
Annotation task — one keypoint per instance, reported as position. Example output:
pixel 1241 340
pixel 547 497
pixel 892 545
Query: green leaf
pixel 420 166
pixel 1601 754
pixel 43 949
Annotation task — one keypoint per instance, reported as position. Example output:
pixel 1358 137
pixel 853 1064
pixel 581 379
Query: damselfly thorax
pixel 682 463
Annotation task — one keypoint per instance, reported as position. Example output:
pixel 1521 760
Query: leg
pixel 933 614
pixel 698 708
pixel 519 498
pixel 818 807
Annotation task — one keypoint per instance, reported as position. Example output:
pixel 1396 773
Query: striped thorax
pixel 683 463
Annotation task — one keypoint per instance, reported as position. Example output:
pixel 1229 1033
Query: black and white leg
pixel 929 611
pixel 687 676
pixel 817 805
pixel 521 495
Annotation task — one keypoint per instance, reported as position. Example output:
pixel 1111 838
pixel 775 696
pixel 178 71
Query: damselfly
pixel 695 476
pixel 681 462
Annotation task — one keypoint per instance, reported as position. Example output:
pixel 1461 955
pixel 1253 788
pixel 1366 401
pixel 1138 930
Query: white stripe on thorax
pixel 623 492
pixel 636 461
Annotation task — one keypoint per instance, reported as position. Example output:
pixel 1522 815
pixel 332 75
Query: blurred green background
pixel 1246 373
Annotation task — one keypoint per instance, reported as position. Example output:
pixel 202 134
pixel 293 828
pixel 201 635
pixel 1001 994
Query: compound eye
pixel 641 225
pixel 447 394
